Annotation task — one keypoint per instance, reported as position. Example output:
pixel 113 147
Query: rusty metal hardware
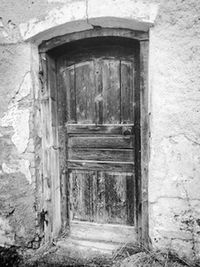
pixel 126 130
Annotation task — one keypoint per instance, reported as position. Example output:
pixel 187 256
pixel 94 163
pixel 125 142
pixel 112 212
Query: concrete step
pixel 86 248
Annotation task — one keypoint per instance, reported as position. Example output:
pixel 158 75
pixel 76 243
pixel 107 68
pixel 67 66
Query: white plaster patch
pixel 25 87
pixel 19 120
pixel 70 12
pixel 8 169
pixel 24 168
pixel 129 9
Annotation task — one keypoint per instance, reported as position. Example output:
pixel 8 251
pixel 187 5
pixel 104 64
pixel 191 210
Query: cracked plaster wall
pixel 174 68
pixel 174 172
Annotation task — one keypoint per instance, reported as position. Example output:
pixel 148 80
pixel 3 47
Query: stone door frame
pixel 53 169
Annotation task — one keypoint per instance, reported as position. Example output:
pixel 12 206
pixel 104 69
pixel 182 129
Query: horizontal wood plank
pixel 103 232
pixel 115 129
pixel 101 142
pixel 100 165
pixel 101 154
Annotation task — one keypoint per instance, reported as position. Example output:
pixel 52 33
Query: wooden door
pixel 100 150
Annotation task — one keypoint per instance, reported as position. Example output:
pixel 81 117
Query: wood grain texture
pixel 127 92
pixel 108 142
pixel 99 92
pixel 144 121
pixel 68 76
pixel 101 154
pixel 61 94
pixel 111 90
pixel 106 197
pixel 85 92
pixel 101 165
pixel 97 129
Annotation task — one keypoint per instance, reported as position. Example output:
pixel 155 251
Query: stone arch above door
pixel 76 16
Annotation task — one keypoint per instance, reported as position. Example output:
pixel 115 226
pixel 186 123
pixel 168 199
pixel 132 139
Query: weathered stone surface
pixel 17 218
pixel 175 114
pixel 88 13
pixel 16 193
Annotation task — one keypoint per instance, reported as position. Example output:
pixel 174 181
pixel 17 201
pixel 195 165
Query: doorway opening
pixel 96 86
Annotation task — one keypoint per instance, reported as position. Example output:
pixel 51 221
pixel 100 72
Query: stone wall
pixel 174 67
pixel 175 138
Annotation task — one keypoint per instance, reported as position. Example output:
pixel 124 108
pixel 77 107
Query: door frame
pixel 54 196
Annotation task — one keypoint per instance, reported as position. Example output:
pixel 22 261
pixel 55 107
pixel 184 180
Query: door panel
pixel 68 79
pixel 127 92
pixel 111 91
pixel 85 92
pixel 103 197
pixel 100 137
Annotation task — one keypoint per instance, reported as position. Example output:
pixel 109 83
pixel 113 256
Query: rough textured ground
pixel 125 257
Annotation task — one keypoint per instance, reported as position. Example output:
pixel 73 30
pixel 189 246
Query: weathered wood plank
pixel 115 198
pixel 101 154
pixel 103 232
pixel 59 40
pixel 102 197
pixel 54 175
pixel 144 122
pixel 97 129
pixel 111 90
pixel 101 142
pixel 112 197
pixel 46 142
pixel 85 92
pixel 101 165
pixel 127 93
pixel 82 201
pixel 99 90
pixel 69 84
pixel 61 93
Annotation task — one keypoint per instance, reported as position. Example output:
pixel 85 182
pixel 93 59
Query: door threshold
pixel 81 248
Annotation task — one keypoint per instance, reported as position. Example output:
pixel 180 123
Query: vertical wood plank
pixel 70 88
pixel 62 92
pixel 111 91
pixel 83 203
pixel 144 121
pixel 115 191
pixel 131 199
pixel 85 92
pixel 98 93
pixel 63 84
pixel 127 92
pixel 64 181
pixel 53 167
pixel 100 197
pixel 45 110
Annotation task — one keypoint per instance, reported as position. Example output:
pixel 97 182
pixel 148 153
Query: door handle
pixel 126 131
